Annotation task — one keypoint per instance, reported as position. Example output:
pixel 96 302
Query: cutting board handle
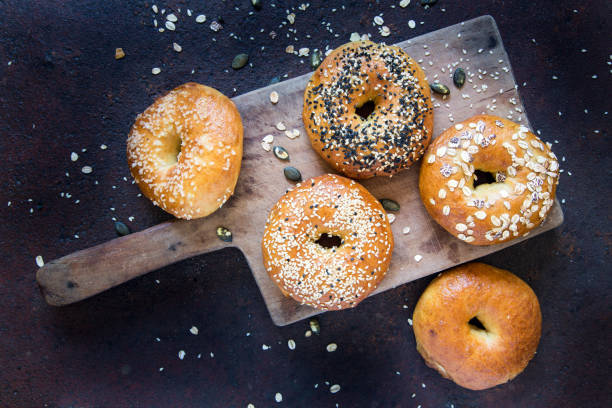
pixel 88 272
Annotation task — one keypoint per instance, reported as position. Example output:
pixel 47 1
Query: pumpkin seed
pixel 256 4
pixel 389 204
pixel 292 173
pixel 281 153
pixel 439 88
pixel 240 61
pixel 428 2
pixel 314 326
pixel 315 59
pixel 121 229
pixel 224 234
pixel 459 77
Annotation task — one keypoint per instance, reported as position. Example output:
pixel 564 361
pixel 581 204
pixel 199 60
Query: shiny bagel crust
pixel 524 171
pixel 474 358
pixel 185 150
pixel 394 135
pixel 327 278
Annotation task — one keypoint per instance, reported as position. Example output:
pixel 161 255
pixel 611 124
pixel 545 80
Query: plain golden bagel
pixel 477 325
pixel 185 150
pixel 327 243
pixel 367 110
pixel 488 180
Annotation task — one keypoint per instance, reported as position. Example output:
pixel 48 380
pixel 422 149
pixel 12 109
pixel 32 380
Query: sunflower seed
pixel 281 153
pixel 439 88
pixel 314 326
pixel 256 4
pixel 315 59
pixel 224 234
pixel 459 77
pixel 389 204
pixel 293 174
pixel 240 61
pixel 121 229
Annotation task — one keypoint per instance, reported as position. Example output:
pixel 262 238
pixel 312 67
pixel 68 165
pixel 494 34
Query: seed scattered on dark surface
pixel 281 153
pixel 121 229
pixel 240 61
pixel 314 326
pixel 292 173
pixel 256 4
pixel 389 204
pixel 459 77
pixel 275 80
pixel 224 234
pixel 428 2
pixel 315 59
pixel 439 88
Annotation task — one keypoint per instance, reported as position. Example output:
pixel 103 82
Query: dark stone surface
pixel 63 91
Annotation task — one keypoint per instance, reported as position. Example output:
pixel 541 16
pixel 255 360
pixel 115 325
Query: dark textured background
pixel 63 91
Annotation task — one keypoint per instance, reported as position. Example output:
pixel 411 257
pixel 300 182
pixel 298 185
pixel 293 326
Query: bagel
pixel 327 243
pixel 185 150
pixel 477 325
pixel 367 110
pixel 488 180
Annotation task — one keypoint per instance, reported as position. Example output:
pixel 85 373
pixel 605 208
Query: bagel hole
pixel 483 177
pixel 476 324
pixel 174 150
pixel 365 109
pixel 329 241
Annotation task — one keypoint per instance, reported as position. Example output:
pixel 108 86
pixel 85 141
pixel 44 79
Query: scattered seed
pixel 119 53
pixel 459 77
pixel 121 229
pixel 240 61
pixel 281 126
pixel 314 326
pixel 308 333
pixel 224 234
pixel 290 49
pixel 194 330
pixel 172 17
pixel 268 139
pixel 39 261
pixel 334 388
pixel 439 88
pixel 411 24
pixel 406 230
pixel 303 52
pixel 291 344
pixel 266 146
pixel 86 169
pixel 331 347
pixel 391 218
pixel 418 258
pixel 274 97
pixel 293 174
pixel 385 31
pixel 281 153
pixel 170 25
pixel 315 59
pixel 278 397
pixel 154 8
pixel 256 4
pixel 155 71
pixel 389 204
pixel 291 18
pixel 216 26
pixel 200 19
pixel 74 157
pixel 355 37
pixel 404 3
pixel 177 47
pixel 181 354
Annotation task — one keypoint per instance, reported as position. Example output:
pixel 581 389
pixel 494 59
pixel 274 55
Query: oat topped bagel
pixel 367 110
pixel 488 180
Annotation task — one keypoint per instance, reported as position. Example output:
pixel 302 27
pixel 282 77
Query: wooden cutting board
pixel 474 45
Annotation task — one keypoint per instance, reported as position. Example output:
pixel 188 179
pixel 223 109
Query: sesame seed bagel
pixel 477 325
pixel 185 150
pixel 394 135
pixel 312 271
pixel 488 180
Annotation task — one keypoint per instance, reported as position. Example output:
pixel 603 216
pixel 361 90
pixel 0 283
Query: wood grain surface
pixel 475 45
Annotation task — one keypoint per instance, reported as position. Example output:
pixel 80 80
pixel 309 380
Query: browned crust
pixel 491 213
pixel 507 307
pixel 398 131
pixel 207 126
pixel 327 279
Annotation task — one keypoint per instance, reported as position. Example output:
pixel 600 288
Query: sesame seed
pixel 265 347
pixel 281 126
pixel 181 354
pixel 406 230
pixel 177 47
pixel 194 330
pixel 172 18
pixel 274 97
pixel 411 24
pixel 200 18
pixel 39 261
pixel 74 157
pixel 155 71
pixel 268 139
pixel 291 344
pixel 410 322
pixel 170 25
pixel 278 397
pixel 334 388
pixel 86 169
pixel 331 347
pixel 418 258
pixel 390 218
